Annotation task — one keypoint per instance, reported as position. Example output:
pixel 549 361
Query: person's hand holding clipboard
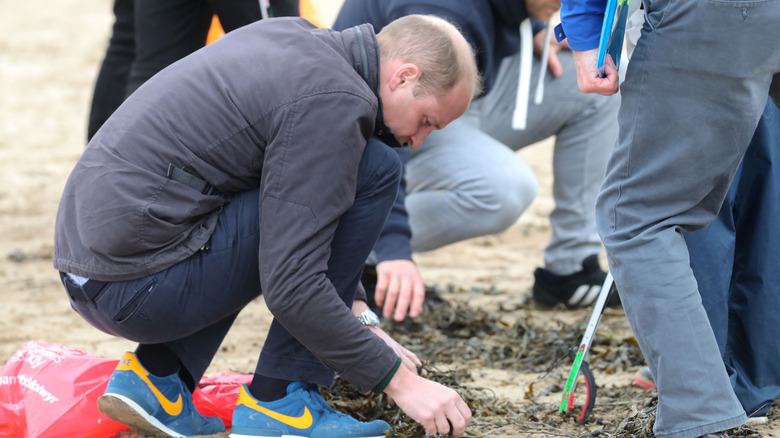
pixel 597 69
pixel 613 30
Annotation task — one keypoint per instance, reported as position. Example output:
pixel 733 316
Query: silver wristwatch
pixel 368 318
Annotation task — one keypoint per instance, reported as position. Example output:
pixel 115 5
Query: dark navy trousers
pixel 736 261
pixel 191 306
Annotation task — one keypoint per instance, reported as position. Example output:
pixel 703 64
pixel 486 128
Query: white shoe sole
pixel 238 435
pixel 755 421
pixel 129 413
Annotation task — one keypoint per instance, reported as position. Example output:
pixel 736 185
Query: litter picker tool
pixel 580 364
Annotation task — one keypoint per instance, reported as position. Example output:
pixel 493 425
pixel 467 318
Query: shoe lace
pixel 189 403
pixel 319 404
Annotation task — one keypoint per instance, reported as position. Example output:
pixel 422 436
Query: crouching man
pixel 244 169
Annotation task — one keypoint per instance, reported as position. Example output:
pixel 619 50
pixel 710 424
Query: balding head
pixel 437 47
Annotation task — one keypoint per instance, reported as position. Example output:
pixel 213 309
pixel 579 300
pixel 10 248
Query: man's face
pixel 412 118
pixel 542 10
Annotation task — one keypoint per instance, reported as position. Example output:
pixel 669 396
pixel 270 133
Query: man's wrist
pixel 386 381
pixel 358 306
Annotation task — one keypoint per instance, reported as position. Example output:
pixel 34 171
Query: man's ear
pixel 405 75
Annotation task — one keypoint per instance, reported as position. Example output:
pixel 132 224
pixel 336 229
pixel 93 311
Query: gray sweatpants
pixel 466 181
pixel 693 94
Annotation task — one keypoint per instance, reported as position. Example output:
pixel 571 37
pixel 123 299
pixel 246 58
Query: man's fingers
pixel 554 64
pixel 418 298
pixel 380 289
pixel 459 416
pixel 442 425
pixel 402 303
pixel 391 297
pixel 409 362
pixel 452 419
pixel 465 414
pixel 588 78
pixel 412 357
pixel 457 424
pixel 612 71
pixel 607 84
pixel 401 282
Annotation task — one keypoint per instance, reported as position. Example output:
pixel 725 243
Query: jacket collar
pixel 365 52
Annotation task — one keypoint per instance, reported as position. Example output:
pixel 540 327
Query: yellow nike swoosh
pixel 304 421
pixel 130 363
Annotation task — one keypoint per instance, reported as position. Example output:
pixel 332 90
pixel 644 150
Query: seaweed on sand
pixel 454 335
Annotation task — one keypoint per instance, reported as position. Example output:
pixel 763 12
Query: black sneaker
pixel 580 289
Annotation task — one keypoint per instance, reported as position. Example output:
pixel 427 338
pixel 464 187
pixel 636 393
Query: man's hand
pixel 399 287
pixel 434 406
pixel 408 359
pixel 553 63
pixel 588 77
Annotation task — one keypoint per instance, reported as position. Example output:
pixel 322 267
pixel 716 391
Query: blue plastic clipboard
pixel 613 29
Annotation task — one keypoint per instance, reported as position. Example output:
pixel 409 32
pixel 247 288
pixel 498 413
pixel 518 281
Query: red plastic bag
pixel 216 395
pixel 48 390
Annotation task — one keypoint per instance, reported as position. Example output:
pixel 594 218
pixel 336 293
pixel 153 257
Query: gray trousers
pixel 694 91
pixel 466 181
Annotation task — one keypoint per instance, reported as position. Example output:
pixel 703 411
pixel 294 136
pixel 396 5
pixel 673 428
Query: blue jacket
pixel 492 27
pixel 581 22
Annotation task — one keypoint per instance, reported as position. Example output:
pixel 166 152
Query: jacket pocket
pixel 655 11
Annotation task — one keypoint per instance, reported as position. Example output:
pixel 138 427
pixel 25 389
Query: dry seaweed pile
pixel 482 403
pixel 454 333
pixel 450 331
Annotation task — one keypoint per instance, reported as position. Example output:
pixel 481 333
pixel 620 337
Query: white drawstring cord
pixel 524 77
pixel 520 115
pixel 543 69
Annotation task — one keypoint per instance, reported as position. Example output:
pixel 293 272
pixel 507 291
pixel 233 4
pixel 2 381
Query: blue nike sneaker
pixel 302 413
pixel 153 405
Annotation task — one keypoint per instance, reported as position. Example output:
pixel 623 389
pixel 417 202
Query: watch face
pixel 369 318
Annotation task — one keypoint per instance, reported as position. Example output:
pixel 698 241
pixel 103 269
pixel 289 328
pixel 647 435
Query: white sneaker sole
pixel 755 421
pixel 238 435
pixel 129 413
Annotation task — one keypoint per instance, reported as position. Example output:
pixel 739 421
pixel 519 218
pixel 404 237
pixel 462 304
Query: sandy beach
pixel 49 58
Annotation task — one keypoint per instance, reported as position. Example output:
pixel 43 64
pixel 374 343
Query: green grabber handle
pixel 587 338
pixel 575 370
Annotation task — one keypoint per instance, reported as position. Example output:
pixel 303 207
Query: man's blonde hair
pixel 437 47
